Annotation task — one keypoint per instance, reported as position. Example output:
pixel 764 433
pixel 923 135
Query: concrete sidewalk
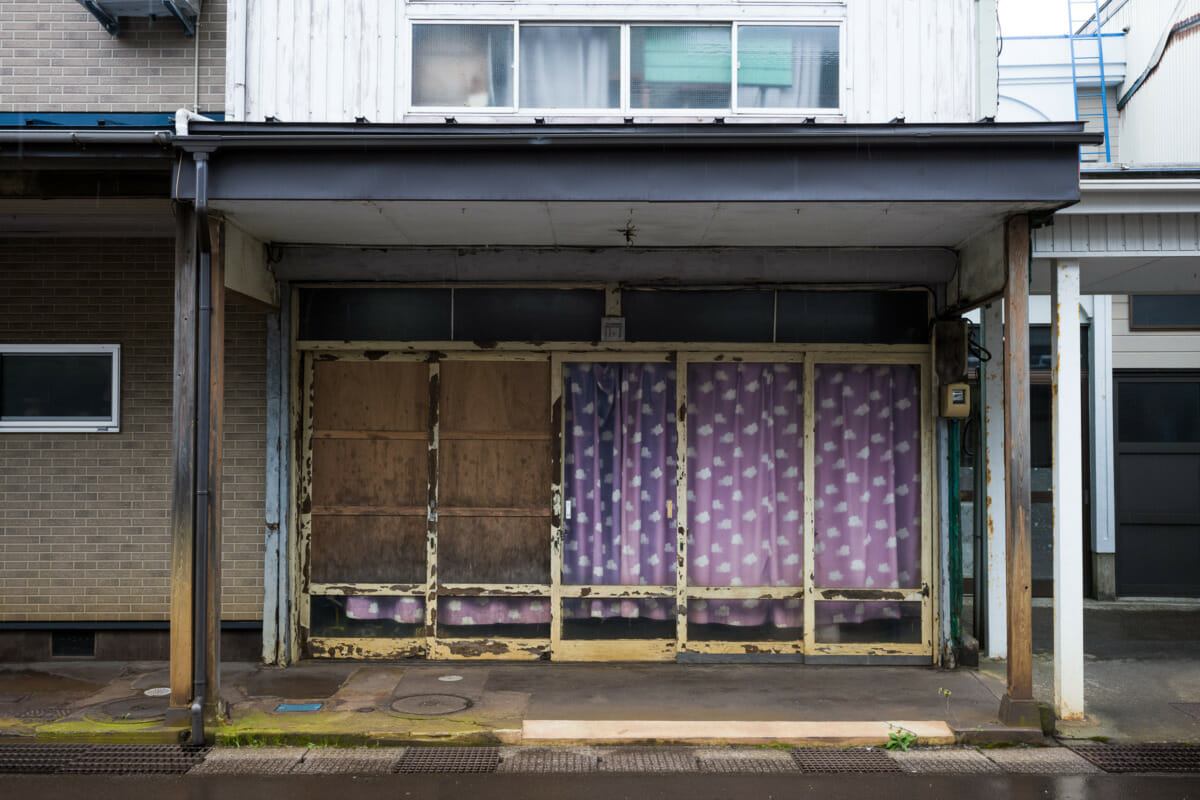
pixel 1142 672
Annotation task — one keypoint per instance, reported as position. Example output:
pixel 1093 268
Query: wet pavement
pixel 642 787
pixel 1142 672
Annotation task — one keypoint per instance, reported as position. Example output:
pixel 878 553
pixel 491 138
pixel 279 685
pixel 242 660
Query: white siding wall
pixel 334 60
pixel 1150 350
pixel 1090 110
pixel 1161 123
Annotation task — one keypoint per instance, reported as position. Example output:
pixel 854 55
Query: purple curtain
pixel 745 488
pixel 868 492
pixel 620 478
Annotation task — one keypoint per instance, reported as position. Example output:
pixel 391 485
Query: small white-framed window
pixel 789 68
pixel 676 67
pixel 463 65
pixel 568 66
pixel 60 388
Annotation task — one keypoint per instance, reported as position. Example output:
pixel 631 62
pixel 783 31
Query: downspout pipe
pixel 203 466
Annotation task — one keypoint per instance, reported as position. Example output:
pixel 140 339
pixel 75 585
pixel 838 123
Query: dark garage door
pixel 1158 483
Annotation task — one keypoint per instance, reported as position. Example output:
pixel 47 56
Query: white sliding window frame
pixel 33 422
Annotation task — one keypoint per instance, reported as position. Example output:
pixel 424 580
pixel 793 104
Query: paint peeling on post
pixel 431 530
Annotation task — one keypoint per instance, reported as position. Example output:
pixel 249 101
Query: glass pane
pixel 38 386
pixel 787 67
pixel 493 617
pixel 1164 311
pixel 619 526
pixel 373 314
pixel 645 618
pixel 391 617
pixel 570 66
pixel 462 65
pixel 745 475
pixel 847 621
pixel 868 473
pixel 527 315
pixel 1162 411
pixel 680 66
pixel 717 620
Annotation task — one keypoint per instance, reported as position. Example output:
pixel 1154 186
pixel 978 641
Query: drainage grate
pixel 1142 758
pixel 638 759
pixel 850 759
pixel 547 759
pixel 751 762
pixel 122 759
pixel 449 759
pixel 37 759
pixel 250 761
pixel 945 762
pixel 131 759
pixel 356 761
pixel 1041 761
pixel 1191 709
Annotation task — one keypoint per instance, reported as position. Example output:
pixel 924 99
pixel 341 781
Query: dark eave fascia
pixel 211 136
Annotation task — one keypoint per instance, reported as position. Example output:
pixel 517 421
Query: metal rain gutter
pixel 207 136
pixel 203 436
pixel 82 138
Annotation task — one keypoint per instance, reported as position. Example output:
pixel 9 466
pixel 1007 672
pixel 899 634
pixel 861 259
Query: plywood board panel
pixel 513 474
pixel 367 395
pixel 496 396
pixel 368 549
pixel 357 472
pixel 494 549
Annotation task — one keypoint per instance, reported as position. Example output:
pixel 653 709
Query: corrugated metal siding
pixel 1082 234
pixel 327 60
pixel 1150 350
pixel 1161 123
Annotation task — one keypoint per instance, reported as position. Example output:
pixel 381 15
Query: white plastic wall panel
pixel 335 60
pixel 1119 235
pixel 1090 110
pixel 1150 349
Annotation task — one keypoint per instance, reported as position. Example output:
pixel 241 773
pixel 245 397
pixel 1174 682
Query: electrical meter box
pixel 956 400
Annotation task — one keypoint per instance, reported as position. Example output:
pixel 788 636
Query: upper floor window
pixel 612 68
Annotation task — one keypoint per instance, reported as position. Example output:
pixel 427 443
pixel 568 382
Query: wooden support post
pixel 1017 707
pixel 216 433
pixel 183 457
pixel 994 469
pixel 1068 495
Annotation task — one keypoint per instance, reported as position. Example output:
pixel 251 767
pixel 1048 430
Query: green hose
pixel 954 557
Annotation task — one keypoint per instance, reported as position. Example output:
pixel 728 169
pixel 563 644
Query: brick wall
pixel 55 56
pixel 84 517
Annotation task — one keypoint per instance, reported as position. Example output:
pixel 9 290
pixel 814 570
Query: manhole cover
pixel 850 759
pixel 449 759
pixel 430 705
pixel 450 678
pixel 158 691
pixel 1142 758
pixel 130 709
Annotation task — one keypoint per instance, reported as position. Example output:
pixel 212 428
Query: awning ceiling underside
pixel 641 185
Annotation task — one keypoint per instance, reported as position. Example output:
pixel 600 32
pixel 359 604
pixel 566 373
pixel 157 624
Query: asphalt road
pixel 600 787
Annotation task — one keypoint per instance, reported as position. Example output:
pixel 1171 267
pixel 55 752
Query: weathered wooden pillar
pixel 1017 707
pixel 183 456
pixel 216 434
pixel 1068 494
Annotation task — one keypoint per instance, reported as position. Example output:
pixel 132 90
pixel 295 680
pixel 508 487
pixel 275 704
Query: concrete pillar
pixel 994 466
pixel 1068 493
pixel 1103 482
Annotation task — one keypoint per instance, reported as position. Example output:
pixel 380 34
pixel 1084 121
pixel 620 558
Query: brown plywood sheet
pixel 494 549
pixel 496 396
pixel 358 472
pixel 493 473
pixel 368 549
pixel 371 396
